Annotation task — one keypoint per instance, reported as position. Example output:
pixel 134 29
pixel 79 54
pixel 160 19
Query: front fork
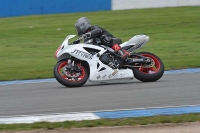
pixel 71 67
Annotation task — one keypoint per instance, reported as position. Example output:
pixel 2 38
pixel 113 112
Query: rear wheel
pixel 70 76
pixel 152 72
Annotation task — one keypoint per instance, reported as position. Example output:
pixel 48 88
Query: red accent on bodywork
pixel 57 52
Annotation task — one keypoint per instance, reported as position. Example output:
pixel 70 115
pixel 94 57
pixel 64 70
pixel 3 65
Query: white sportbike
pixel 78 63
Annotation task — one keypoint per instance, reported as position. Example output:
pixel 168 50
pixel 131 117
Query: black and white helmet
pixel 82 25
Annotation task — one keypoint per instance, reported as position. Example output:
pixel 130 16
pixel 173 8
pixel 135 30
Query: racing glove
pixel 85 36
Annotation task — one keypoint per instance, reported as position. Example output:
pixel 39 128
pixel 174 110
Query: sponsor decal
pixel 98 77
pixel 113 74
pixel 122 75
pixel 83 54
pixel 104 77
pixel 136 46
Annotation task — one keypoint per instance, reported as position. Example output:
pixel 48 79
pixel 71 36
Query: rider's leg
pixel 114 44
pixel 123 53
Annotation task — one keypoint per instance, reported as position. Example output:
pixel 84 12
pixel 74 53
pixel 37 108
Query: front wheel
pixel 70 77
pixel 149 74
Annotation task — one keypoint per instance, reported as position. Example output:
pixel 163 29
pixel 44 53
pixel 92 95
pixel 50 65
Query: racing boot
pixel 123 53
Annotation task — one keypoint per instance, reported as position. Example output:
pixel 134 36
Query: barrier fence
pixel 10 8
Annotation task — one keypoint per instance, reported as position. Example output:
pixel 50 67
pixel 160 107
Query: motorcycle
pixel 78 63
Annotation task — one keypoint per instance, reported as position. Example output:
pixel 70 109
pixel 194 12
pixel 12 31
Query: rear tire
pixel 150 74
pixel 63 79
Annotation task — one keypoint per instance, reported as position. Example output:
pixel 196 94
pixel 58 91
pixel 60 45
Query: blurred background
pixel 32 30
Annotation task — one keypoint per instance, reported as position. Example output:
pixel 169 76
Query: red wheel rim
pixel 153 69
pixel 80 77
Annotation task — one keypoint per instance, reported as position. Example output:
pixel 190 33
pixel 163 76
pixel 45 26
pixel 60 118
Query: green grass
pixel 104 122
pixel 28 44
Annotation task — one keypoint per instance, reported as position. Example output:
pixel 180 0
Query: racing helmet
pixel 82 25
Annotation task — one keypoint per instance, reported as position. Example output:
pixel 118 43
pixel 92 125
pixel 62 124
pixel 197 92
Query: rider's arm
pixel 95 32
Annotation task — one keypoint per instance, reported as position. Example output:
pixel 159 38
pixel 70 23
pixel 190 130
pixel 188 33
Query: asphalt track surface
pixel 47 98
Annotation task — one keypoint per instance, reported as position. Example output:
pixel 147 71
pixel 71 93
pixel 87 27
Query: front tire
pixel 65 78
pixel 151 74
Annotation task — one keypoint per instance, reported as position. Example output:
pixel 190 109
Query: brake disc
pixel 70 74
pixel 149 65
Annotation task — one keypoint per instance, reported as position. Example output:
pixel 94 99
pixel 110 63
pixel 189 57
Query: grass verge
pixel 28 44
pixel 104 122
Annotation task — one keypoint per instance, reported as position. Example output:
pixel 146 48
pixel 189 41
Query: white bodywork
pixel 137 42
pixel 78 51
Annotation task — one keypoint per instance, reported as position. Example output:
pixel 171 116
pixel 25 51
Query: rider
pixel 86 31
